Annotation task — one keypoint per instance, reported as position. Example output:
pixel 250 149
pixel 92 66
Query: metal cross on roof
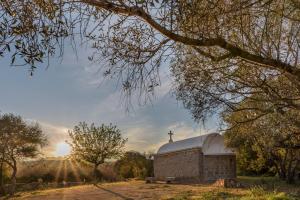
pixel 170 134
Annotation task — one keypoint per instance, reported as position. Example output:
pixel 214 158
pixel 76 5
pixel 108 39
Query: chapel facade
pixel 199 159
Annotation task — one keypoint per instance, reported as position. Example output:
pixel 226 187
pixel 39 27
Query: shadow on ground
pixel 114 193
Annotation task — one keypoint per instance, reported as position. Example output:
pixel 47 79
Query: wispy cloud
pixel 147 138
pixel 144 138
pixel 73 90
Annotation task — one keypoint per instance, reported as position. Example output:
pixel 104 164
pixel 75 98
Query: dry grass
pixel 139 190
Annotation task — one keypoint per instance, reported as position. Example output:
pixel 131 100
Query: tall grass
pixel 254 194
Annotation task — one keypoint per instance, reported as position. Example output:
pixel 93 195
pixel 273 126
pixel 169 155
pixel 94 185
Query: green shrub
pixel 134 165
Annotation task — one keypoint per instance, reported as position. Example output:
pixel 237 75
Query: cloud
pixel 148 138
pixel 73 90
pixel 144 132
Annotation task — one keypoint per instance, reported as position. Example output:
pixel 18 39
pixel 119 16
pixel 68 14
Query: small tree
pixel 96 144
pixel 18 140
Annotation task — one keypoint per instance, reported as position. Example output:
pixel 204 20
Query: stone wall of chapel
pixel 184 165
pixel 219 167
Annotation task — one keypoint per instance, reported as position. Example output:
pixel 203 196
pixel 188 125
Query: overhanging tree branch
pixel 203 42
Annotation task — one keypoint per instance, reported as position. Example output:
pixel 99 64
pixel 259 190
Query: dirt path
pixel 115 191
pixel 133 190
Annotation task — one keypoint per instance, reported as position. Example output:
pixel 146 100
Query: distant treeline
pixel 130 165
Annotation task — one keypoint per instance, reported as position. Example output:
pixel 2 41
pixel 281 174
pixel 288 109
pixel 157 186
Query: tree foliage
pixel 273 138
pixel 212 88
pixel 250 162
pixel 18 140
pixel 94 144
pixel 132 38
pixel 134 165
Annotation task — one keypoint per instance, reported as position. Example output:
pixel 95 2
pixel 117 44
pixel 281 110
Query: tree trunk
pixel 290 179
pixel 291 173
pixel 13 178
pixel 282 170
pixel 287 167
pixel 13 181
pixel 96 173
pixel 282 173
pixel 2 191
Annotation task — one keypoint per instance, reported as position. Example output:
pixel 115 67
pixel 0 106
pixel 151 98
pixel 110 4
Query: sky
pixel 71 90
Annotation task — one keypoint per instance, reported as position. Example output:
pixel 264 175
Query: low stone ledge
pixel 170 179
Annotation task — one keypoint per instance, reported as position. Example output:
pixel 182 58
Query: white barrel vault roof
pixel 211 144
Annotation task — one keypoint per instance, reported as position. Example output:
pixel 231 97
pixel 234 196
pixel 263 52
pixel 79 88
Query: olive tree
pixel 18 140
pixel 94 144
pixel 275 138
pixel 132 38
pixel 214 88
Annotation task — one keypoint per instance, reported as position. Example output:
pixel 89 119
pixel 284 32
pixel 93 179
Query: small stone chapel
pixel 198 159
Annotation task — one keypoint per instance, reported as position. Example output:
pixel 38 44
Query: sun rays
pixel 75 170
pixel 68 170
pixel 58 172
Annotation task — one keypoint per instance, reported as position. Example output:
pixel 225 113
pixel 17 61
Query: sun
pixel 62 149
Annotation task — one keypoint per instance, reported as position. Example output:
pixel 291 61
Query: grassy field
pixel 57 170
pixel 255 188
